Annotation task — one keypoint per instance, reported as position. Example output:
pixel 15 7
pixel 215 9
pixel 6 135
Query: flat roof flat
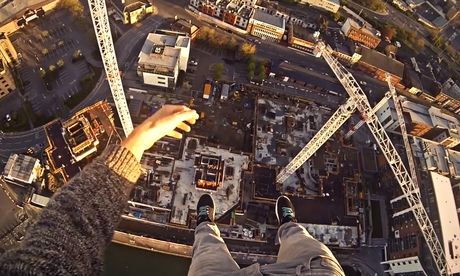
pixel 448 219
pixel 227 194
pixel 159 51
pixel 269 19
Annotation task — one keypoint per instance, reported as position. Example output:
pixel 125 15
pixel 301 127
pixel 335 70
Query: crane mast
pixel 101 25
pixel 329 128
pixel 408 187
pixel 402 126
pixel 359 124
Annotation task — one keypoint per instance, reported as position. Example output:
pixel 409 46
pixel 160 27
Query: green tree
pixel 218 71
pixel 247 49
pixel 74 6
pixel 60 63
pixel 261 71
pixel 250 75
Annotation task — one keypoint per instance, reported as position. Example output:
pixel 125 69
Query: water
pixel 125 260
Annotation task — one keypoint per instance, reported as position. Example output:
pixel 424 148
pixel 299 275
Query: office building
pixel 377 65
pixel 132 11
pixel 267 26
pixel 74 142
pixel 7 84
pixel 328 5
pixel 405 253
pixel 361 33
pixel 302 39
pixel 162 58
pixel 7 51
pixel 22 169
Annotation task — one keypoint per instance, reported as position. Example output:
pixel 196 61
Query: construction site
pixel 378 184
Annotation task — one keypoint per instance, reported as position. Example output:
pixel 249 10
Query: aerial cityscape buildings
pixel 283 91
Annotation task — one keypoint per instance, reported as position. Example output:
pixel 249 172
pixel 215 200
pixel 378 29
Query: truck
pixel 39 200
pixel 207 90
pixel 224 92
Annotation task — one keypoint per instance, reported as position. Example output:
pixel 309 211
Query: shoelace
pixel 203 211
pixel 287 212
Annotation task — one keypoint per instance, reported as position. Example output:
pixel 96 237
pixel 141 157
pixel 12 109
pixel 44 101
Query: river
pixel 125 260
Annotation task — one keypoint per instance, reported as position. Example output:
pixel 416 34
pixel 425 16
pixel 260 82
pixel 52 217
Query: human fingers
pixel 188 116
pixel 191 121
pixel 184 127
pixel 171 109
pixel 175 134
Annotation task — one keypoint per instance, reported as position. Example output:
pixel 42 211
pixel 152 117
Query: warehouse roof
pixel 381 61
pixel 269 19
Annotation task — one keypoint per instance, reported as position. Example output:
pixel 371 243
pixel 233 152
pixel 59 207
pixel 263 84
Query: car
pixel 8 117
pixel 362 82
pixel 193 62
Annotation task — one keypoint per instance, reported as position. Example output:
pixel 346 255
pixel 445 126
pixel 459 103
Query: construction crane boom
pixel 101 25
pixel 329 128
pixel 402 126
pixel 408 187
pixel 362 122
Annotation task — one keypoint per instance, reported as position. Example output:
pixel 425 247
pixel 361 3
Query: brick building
pixel 377 65
pixel 361 33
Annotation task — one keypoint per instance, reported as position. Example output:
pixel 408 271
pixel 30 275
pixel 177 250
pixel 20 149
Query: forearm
pixel 77 225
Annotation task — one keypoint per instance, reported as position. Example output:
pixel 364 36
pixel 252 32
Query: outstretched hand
pixel 163 123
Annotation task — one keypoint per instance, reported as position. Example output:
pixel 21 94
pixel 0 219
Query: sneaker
pixel 284 210
pixel 205 209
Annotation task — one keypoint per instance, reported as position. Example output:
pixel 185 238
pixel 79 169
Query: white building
pixel 267 26
pixel 328 5
pixel 388 117
pixel 22 169
pixel 448 220
pixel 161 59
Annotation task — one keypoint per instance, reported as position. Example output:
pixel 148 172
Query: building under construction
pixel 74 142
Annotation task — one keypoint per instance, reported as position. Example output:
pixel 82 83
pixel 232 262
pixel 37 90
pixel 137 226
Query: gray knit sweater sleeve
pixel 75 228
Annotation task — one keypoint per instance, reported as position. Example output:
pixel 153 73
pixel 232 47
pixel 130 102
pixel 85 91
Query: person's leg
pixel 210 254
pixel 299 251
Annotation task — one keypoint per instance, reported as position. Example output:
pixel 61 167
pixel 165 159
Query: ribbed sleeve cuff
pixel 122 162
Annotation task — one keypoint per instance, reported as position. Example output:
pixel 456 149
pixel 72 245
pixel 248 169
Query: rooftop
pixel 451 88
pixel 282 131
pixel 362 27
pixel 161 52
pixel 130 5
pixel 421 81
pixel 448 219
pixel 270 19
pixel 334 235
pixel 22 168
pixel 226 192
pixel 302 33
pixel 71 142
pixel 381 61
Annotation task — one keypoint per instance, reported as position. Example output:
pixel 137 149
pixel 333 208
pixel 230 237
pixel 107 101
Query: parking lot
pixel 47 46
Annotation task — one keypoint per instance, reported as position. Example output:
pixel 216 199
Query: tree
pixel 74 6
pixel 232 44
pixel 261 71
pixel 250 75
pixel 218 71
pixel 247 49
pixel 389 32
pixel 60 63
